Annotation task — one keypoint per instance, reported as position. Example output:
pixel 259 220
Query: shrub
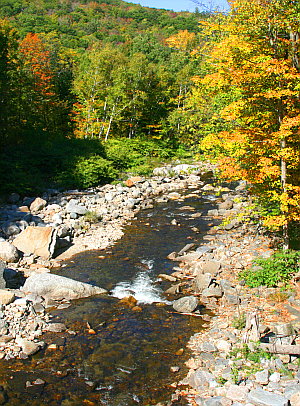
pixel 91 217
pixel 93 171
pixel 128 153
pixel 239 322
pixel 280 267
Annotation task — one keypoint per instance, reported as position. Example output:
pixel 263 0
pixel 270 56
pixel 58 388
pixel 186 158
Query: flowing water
pixel 119 356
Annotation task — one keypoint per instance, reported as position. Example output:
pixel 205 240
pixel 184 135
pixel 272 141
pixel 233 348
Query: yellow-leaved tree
pixel 256 60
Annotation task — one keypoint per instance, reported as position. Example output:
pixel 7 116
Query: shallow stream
pixel 119 356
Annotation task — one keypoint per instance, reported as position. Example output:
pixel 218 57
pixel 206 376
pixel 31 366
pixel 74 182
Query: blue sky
pixel 183 5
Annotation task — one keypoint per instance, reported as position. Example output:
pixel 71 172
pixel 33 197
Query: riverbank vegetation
pixel 92 89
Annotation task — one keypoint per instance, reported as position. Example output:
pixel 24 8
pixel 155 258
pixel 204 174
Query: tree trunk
pixel 109 124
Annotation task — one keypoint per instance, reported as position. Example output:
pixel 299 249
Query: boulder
pixel 295 399
pixel 56 327
pixel 6 297
pixel 211 267
pixel 212 291
pixel 38 204
pixel 13 279
pixel 227 205
pixel 236 392
pixel 13 198
pixel 262 377
pixel 202 281
pixel 36 240
pixel 23 209
pixel 28 347
pixel 11 229
pixel 214 401
pixel 185 169
pixel 2 279
pixel 185 304
pixel 74 207
pixel 189 258
pixel 59 287
pixel 162 171
pixel 8 252
pixel 201 379
pixel 132 181
pixel 260 397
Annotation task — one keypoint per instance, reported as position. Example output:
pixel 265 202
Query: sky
pixel 183 5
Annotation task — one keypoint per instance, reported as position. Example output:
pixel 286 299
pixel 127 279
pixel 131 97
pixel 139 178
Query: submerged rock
pixel 59 287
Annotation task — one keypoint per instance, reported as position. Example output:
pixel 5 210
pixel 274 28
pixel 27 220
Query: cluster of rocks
pixel 39 226
pixel 227 369
pixel 23 312
pixel 31 229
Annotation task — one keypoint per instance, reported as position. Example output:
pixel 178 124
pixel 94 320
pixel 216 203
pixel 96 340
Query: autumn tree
pixel 256 61
pixel 37 83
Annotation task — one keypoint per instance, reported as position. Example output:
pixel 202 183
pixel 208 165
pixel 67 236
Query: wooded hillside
pixel 91 89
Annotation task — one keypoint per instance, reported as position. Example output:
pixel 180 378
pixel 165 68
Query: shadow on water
pixel 119 355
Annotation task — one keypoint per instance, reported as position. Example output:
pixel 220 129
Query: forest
pixel 91 89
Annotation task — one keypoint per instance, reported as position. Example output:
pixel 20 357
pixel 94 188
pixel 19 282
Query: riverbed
pixel 114 354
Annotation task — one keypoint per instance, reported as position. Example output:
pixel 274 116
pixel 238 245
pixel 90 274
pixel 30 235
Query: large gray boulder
pixel 59 287
pixel 73 206
pixel 186 304
pixel 202 281
pixel 8 252
pixel 201 379
pixel 260 397
pixel 36 240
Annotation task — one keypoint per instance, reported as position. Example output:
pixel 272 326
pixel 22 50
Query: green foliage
pixel 239 322
pixel 80 24
pixel 252 355
pixel 279 268
pixel 128 154
pixel 93 171
pixel 38 163
pixel 91 217
pixel 87 172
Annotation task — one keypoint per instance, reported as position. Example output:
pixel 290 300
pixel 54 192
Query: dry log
pixel 281 349
pixel 187 314
pixel 251 331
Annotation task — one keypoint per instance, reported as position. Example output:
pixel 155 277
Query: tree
pixel 37 84
pixel 257 61
pixel 8 78
pixel 99 88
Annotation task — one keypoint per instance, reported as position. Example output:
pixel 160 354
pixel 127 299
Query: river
pixel 113 354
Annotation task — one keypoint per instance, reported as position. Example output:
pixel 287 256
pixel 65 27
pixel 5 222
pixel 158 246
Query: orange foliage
pixel 255 59
pixel 37 61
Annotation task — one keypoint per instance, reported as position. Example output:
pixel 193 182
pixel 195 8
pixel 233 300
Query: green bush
pixel 239 322
pixel 279 268
pixel 91 217
pixel 128 153
pixel 87 172
pixel 122 154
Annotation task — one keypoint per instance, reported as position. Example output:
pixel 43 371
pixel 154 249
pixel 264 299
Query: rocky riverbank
pixel 249 355
pixel 226 368
pixel 34 230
